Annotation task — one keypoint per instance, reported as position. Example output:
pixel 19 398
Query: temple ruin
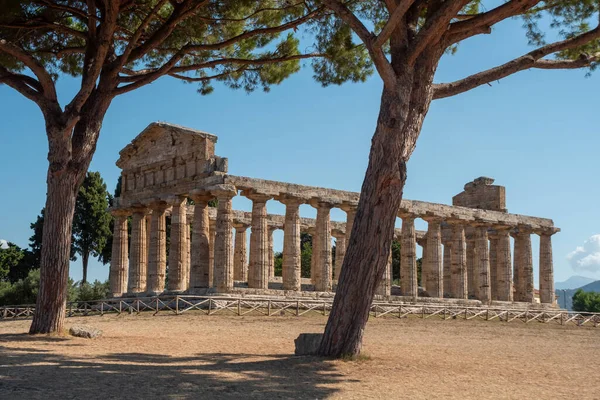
pixel 467 251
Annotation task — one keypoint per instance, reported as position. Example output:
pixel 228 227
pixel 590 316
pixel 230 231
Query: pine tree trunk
pixel 56 249
pixel 85 258
pixel 70 153
pixel 398 127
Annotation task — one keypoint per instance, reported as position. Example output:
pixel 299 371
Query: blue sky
pixel 534 132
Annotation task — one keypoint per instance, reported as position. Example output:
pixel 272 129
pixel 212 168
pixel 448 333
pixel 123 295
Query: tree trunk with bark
pixel 85 259
pixel 401 116
pixel 70 153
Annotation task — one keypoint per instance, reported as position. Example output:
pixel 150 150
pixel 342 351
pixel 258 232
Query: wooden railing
pixel 212 305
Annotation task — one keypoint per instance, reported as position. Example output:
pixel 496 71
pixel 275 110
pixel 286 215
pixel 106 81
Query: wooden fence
pixel 239 306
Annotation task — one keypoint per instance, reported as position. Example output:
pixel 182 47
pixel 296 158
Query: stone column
pixel 385 285
pixel 200 247
pixel 435 271
pixel 188 252
pixel 447 264
pixel 459 262
pixel 493 265
pixel 139 252
pixel 157 254
pixel 322 264
pixel 271 229
pixel 223 278
pixel 212 231
pixel 408 257
pixel 258 270
pixel 523 266
pixel 424 266
pixel 350 210
pixel 471 268
pixel 178 245
pixel 292 259
pixel 240 262
pixel 314 273
pixel 340 251
pixel 504 283
pixel 482 264
pixel 119 264
pixel 546 268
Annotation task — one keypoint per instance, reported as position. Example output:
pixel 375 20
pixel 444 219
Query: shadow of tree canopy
pixel 28 373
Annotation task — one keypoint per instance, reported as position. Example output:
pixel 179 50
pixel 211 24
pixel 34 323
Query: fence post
pixel 176 305
pixel 269 308
pixel 209 305
pixel 239 307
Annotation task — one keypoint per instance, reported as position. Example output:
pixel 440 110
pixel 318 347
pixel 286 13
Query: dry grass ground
pixel 212 357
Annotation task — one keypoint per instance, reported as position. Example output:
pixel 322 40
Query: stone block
pixel 307 344
pixel 85 331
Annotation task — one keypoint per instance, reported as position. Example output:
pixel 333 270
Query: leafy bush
pixel 25 291
pixel 586 301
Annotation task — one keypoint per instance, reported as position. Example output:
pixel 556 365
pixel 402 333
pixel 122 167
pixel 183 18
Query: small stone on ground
pixel 307 344
pixel 85 331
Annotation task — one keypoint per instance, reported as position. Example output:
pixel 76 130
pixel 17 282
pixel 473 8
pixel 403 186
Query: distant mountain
pixel 591 287
pixel 573 282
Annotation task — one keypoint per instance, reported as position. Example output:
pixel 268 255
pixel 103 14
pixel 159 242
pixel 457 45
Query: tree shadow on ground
pixel 29 374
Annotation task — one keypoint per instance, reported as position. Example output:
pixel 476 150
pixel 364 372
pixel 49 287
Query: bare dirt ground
pixel 218 357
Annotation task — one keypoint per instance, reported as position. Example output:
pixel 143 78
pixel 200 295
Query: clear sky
pixel 536 133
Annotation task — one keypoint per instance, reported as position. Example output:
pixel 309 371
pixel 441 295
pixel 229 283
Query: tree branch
pixel 482 23
pixel 435 26
pixel 384 68
pixel 44 78
pixel 26 85
pixel 98 49
pixel 395 18
pixel 169 68
pixel 532 59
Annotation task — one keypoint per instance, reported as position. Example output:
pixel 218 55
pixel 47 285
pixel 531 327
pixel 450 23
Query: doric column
pixel 447 264
pixel 200 248
pixel 223 278
pixel 470 257
pixel 212 232
pixel 408 257
pixel 546 268
pixel 459 262
pixel 139 252
pixel 493 265
pixel 271 229
pixel 482 264
pixel 240 263
pixel 385 285
pixel 323 267
pixel 350 210
pixel 424 266
pixel 523 266
pixel 314 273
pixel 292 259
pixel 435 272
pixel 178 245
pixel 504 269
pixel 188 252
pixel 258 270
pixel 157 254
pixel 340 251
pixel 119 263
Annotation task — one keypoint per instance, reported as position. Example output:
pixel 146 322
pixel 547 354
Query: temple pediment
pixel 164 154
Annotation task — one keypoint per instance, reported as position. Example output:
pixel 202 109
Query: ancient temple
pixel 169 170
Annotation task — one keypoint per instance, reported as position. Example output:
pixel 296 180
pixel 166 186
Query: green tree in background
pixel 91 222
pixel 10 259
pixel 586 301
